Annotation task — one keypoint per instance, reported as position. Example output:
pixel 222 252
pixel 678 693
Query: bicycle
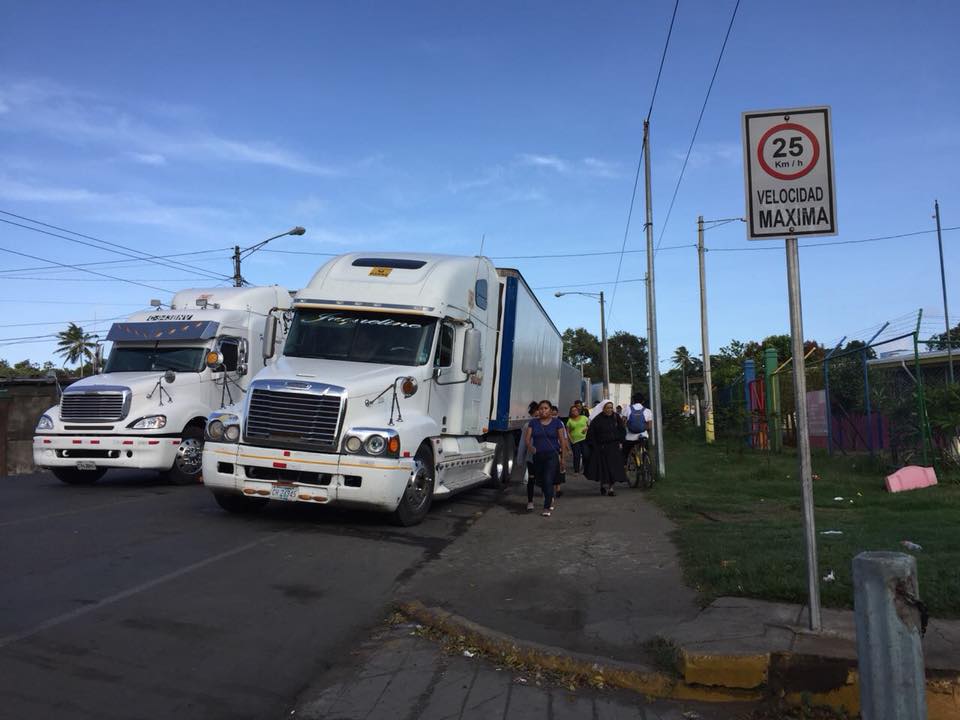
pixel 639 466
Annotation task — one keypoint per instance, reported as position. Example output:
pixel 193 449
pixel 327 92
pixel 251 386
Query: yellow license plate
pixel 380 271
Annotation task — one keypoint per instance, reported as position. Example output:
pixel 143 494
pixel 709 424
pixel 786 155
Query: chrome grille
pixel 294 418
pixel 93 406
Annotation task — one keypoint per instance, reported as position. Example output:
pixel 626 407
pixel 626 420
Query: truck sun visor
pixel 166 330
pixel 396 263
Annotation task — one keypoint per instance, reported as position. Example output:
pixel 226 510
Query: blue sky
pixel 176 127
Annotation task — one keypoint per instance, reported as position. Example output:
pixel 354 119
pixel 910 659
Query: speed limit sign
pixel 788 169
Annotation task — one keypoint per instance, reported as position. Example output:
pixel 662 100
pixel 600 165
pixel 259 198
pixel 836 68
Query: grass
pixel 740 527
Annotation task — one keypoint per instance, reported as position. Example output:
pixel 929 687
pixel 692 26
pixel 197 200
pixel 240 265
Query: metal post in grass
pixel 866 386
pixel 749 375
pixel 921 398
pixel 826 394
pixel 773 399
pixel 890 623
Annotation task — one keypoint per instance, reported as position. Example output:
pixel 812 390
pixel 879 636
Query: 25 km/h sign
pixel 788 168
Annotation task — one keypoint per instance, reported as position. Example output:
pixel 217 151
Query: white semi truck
pixel 404 377
pixel 167 370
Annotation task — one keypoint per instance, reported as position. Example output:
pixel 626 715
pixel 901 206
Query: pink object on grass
pixel 911 477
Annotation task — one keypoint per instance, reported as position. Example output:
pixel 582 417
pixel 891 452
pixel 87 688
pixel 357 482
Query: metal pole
pixel 943 285
pixel 866 388
pixel 652 312
pixel 803 430
pixel 237 278
pixel 921 398
pixel 889 636
pixel 705 338
pixel 603 349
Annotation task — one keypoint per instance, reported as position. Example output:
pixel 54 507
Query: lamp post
pixel 239 254
pixel 603 338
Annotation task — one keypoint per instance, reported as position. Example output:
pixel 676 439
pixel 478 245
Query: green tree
pixel 939 342
pixel 75 345
pixel 628 359
pixel 582 349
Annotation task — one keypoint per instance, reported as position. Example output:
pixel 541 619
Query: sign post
pixel 788 173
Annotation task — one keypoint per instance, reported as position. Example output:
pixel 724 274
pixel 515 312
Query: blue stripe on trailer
pixel 508 333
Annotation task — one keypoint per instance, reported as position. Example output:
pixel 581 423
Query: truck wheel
pixel 189 461
pixel 502 463
pixel 240 504
pixel 416 500
pixel 72 476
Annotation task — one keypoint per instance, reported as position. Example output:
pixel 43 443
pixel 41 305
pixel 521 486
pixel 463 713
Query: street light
pixel 239 254
pixel 603 338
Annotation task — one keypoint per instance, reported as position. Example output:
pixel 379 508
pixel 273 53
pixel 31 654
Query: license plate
pixel 283 492
pixel 81 465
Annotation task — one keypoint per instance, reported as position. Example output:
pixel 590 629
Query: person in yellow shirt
pixel 577 430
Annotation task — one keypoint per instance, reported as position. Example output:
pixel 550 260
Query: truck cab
pixel 166 371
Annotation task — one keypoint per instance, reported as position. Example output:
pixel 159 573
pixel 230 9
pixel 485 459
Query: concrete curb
pixel 705 677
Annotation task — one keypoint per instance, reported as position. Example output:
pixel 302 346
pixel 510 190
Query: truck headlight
pixel 150 422
pixel 375 444
pixel 45 423
pixel 223 427
pixel 353 444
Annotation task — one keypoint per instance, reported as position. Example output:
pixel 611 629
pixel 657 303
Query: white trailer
pixel 405 377
pixel 167 370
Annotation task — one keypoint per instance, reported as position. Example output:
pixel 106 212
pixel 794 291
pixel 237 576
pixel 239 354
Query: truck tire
pixel 418 496
pixel 189 461
pixel 72 476
pixel 502 463
pixel 239 504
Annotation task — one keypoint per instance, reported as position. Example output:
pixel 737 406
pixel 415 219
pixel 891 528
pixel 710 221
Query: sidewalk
pixel 600 579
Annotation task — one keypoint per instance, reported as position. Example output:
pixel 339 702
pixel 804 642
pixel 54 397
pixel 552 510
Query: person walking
pixel 604 435
pixel 564 457
pixel 524 459
pixel 546 440
pixel 577 430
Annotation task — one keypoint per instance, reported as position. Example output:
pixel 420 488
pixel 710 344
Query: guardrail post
pixel 890 624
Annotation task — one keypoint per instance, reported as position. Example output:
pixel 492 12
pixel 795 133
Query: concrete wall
pixel 22 402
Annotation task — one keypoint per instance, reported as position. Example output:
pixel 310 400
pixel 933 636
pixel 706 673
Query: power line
pixel 21 301
pixel 636 178
pixel 581 255
pixel 92 272
pixel 696 129
pixel 64 322
pixel 584 284
pixel 73 279
pixel 835 242
pixel 119 263
pixel 98 247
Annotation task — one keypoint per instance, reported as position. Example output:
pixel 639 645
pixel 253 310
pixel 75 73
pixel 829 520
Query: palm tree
pixel 75 345
pixel 681 359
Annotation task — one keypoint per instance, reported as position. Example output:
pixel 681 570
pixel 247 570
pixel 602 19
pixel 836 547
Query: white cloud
pixel 710 153
pixel 119 207
pixel 550 162
pixel 487 178
pixel 83 119
pixel 602 168
pixel 148 158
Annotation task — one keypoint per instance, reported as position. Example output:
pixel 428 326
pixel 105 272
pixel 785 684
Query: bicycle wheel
pixel 645 472
pixel 633 469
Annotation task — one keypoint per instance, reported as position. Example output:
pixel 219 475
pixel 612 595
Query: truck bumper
pixel 107 451
pixel 296 476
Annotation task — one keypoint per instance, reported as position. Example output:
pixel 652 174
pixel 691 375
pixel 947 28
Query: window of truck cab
pixel 388 338
pixel 157 357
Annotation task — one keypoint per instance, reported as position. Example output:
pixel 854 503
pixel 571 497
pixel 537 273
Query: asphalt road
pixel 135 599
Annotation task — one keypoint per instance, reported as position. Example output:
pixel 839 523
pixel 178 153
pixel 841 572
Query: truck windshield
pixel 159 357
pixel 358 336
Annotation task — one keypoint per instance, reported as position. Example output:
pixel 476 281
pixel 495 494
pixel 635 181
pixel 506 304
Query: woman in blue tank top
pixel 545 439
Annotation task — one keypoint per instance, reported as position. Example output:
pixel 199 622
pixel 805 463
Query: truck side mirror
pixel 242 353
pixel 471 351
pixel 269 337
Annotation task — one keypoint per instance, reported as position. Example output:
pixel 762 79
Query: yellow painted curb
pixel 732 671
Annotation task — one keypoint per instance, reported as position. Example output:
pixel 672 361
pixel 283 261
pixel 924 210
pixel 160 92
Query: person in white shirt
pixel 633 438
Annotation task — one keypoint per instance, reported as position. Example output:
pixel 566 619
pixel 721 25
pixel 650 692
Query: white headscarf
pixel 598 408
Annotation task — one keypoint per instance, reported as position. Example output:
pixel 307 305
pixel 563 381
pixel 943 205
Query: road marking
pixel 124 594
pixel 71 512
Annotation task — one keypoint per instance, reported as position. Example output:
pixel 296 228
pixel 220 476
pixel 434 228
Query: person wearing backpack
pixel 638 419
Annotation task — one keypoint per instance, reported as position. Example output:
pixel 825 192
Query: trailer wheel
pixel 239 504
pixel 416 500
pixel 502 463
pixel 189 461
pixel 72 476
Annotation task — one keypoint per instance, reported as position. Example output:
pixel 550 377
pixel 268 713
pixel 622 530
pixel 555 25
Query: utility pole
pixel 237 277
pixel 943 285
pixel 603 348
pixel 705 338
pixel 239 254
pixel 652 312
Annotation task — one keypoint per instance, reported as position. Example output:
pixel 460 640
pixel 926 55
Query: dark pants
pixel 579 448
pixel 546 465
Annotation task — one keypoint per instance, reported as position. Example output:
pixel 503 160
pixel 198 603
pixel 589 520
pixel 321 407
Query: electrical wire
pixel 696 129
pixel 636 178
pixel 835 242
pixel 584 284
pixel 92 272
pixel 201 273
pixel 120 263
pixel 64 322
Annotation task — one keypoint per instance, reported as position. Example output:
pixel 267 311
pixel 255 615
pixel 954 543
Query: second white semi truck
pixel 167 369
pixel 404 377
